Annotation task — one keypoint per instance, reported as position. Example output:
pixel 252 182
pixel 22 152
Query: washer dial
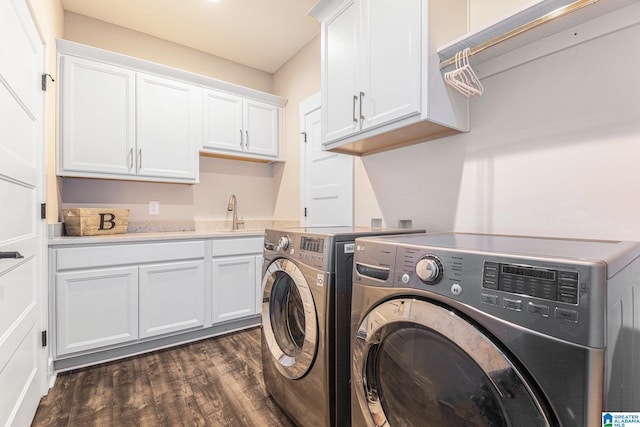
pixel 283 243
pixel 429 269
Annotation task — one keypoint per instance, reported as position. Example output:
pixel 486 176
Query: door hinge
pixel 43 211
pixel 304 135
pixel 44 81
pixel 44 338
pixel 305 212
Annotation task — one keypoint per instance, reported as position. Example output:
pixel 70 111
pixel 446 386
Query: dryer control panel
pixel 548 284
pixel 558 297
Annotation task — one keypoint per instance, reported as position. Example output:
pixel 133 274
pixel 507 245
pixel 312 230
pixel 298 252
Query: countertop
pixel 166 231
pixel 151 237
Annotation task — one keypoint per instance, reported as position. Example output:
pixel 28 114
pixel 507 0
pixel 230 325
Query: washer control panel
pixel 309 249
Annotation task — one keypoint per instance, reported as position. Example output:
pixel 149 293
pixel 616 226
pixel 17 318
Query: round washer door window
pixel 289 318
pixel 418 363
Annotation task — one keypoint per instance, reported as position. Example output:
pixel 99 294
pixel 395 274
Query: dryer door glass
pixel 287 315
pixel 418 363
pixel 289 319
pixel 421 376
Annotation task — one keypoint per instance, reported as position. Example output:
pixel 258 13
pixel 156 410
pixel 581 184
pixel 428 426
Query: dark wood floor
pixel 214 382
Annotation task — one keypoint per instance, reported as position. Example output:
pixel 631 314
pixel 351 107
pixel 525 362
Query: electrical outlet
pixel 154 207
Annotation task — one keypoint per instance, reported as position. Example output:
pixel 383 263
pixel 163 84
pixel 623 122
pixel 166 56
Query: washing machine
pixel 483 330
pixel 306 313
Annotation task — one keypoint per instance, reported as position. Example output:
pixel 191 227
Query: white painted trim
pixel 66 47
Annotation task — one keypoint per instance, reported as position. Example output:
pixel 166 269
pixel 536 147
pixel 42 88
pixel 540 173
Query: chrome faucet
pixel 233 207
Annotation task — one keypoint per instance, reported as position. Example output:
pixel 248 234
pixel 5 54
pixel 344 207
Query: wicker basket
pixel 95 221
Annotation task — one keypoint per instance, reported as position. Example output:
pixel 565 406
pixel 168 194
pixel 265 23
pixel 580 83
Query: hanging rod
pixel 561 11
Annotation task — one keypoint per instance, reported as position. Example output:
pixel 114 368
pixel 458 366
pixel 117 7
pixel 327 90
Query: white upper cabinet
pixel 125 118
pixel 222 121
pixel 341 90
pixel 240 127
pixel 97 113
pixel 117 123
pixel 390 72
pixel 261 128
pixel 167 128
pixel 381 83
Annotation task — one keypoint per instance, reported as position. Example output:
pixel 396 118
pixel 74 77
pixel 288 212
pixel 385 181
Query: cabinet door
pixel 390 73
pixel 96 308
pixel 171 297
pixel 261 128
pixel 167 133
pixel 340 90
pixel 233 288
pixel 97 118
pixel 222 123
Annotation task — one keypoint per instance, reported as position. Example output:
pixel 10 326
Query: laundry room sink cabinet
pixel 381 83
pixel 115 294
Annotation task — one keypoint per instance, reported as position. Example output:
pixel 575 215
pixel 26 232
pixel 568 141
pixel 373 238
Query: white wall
pixel 554 150
pixel 219 178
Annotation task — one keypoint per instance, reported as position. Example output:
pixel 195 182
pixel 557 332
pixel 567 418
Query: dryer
pixel 306 312
pixel 476 330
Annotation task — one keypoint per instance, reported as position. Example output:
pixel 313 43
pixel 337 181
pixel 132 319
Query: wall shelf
pixel 533 22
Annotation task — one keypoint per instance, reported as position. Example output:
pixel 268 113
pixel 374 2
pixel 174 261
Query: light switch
pixel 154 207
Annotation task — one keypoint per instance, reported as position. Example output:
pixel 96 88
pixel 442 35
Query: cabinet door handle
pixel 361 96
pixel 10 255
pixel 139 159
pixel 130 156
pixel 246 140
pixel 355 98
pixel 241 140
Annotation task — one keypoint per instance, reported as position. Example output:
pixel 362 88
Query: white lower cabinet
pixel 234 291
pixel 96 308
pixel 115 295
pixel 114 300
pixel 171 297
pixel 235 278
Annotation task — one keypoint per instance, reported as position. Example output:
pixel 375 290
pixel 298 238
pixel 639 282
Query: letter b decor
pixel 95 221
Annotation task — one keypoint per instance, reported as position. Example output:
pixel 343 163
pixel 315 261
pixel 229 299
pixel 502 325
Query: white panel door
pixel 261 128
pixel 22 376
pixel 96 308
pixel 233 288
pixel 97 111
pixel 222 123
pixel 167 133
pixel 171 297
pixel 327 177
pixel 391 61
pixel 339 87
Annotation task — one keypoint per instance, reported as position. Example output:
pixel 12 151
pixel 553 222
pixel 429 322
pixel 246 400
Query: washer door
pixel 289 318
pixel 416 363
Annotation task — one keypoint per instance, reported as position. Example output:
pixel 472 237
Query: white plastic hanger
pixel 463 78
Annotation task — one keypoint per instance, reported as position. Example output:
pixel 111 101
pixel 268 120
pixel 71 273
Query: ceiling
pixel 262 34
